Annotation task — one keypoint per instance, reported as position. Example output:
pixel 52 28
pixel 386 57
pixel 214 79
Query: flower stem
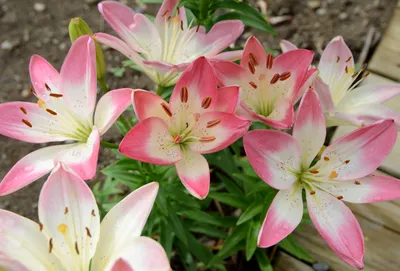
pixel 160 90
pixel 108 145
pixel 103 85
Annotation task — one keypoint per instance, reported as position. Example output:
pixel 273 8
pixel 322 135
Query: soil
pixel 41 27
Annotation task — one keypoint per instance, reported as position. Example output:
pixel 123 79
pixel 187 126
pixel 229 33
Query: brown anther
pixel 50 245
pixel 326 158
pixel 333 175
pixel 253 59
pixel 337 59
pixel 347 60
pixel 93 214
pixel 165 13
pixel 213 123
pixel 346 69
pixel 339 197
pixel 314 171
pixel 251 83
pixel 51 112
pixel 27 123
pixel 184 94
pixel 270 61
pixel 207 138
pixel 177 10
pixel 56 95
pixel 76 248
pixel 198 27
pixel 347 161
pixel 23 110
pixel 166 109
pixel 31 90
pixel 274 79
pixel 177 139
pixel 284 76
pixel 366 75
pixel 88 233
pixel 169 18
pixel 357 182
pixel 66 211
pixel 182 25
pixel 47 87
pixel 40 226
pixel 206 102
pixel 251 67
pixel 312 192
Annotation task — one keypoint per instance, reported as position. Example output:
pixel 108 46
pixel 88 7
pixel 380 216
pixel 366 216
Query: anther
pixel 274 79
pixel 177 139
pixel 326 158
pixel 56 95
pixel 27 123
pixel 251 67
pixel 347 161
pixel 346 69
pixel 177 10
pixel 253 59
pixel 213 123
pixel 51 112
pixel 357 182
pixel 93 214
pixel 62 228
pixel 337 59
pixel 40 226
pixel 181 24
pixel 198 27
pixel 47 87
pixel 284 76
pixel 333 175
pixel 50 245
pixel 88 232
pixel 349 59
pixel 207 138
pixel 184 94
pixel 169 18
pixel 206 102
pixel 165 13
pixel 339 197
pixel 166 109
pixel 270 61
pixel 314 171
pixel 66 211
pixel 76 247
pixel 366 75
pixel 23 110
pixel 251 83
pixel 31 90
pixel 312 192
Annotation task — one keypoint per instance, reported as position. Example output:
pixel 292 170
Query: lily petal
pixel 121 265
pixel 275 156
pixel 150 141
pixel 283 216
pixel 42 73
pixel 359 153
pixel 308 81
pixel 229 73
pixel 287 46
pixel 225 127
pixel 167 9
pixel 194 173
pixel 254 48
pixel 110 107
pixel 228 56
pixel 70 218
pixel 78 78
pixel 338 226
pixel 7 263
pixel 227 99
pixel 22 241
pixel 309 129
pixel 148 104
pixel 123 225
pixel 324 95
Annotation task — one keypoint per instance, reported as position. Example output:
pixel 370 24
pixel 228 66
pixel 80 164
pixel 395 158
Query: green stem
pixel 108 145
pixel 160 90
pixel 124 122
pixel 103 85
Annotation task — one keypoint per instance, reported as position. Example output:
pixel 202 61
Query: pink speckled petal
pixel 42 73
pixel 287 46
pixel 227 99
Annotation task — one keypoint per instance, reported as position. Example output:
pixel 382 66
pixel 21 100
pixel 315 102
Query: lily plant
pixel 268 86
pixel 69 235
pixel 343 172
pixel 163 49
pixel 343 101
pixel 198 119
pixel 65 111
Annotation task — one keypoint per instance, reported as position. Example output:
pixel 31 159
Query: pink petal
pixel 324 95
pixel 283 216
pixel 228 56
pixel 82 157
pixel 338 226
pixel 359 153
pixel 148 104
pixel 8 264
pixel 200 81
pixel 42 73
pixel 308 82
pixel 274 156
pixel 22 243
pixel 110 107
pixel 167 8
pixel 30 168
pixel 253 47
pixel 121 265
pixel 287 46
pixel 150 141
pixel 123 224
pixel 225 127
pixel 309 129
pixel 69 214
pixel 229 73
pixel 163 68
pixel 227 99
pixel 78 78
pixel 342 118
pixel 16 124
pixel 194 173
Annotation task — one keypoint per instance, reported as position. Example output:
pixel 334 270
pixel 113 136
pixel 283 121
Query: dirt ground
pixel 40 27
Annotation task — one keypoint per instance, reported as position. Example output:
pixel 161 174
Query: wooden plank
pixel 386 59
pixel 285 262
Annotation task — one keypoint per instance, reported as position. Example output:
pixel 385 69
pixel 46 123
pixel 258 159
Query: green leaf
pixel 161 200
pixel 251 240
pixel 118 71
pixel 230 199
pixel 230 185
pixel 290 245
pixel 207 230
pixel 176 224
pixel 240 7
pixel 166 238
pixel 150 1
pixel 262 260
pixel 251 211
pixel 212 219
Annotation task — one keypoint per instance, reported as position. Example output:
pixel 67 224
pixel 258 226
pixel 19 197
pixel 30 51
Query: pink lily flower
pixel 198 119
pixel 163 49
pixel 64 111
pixel 341 174
pixel 343 102
pixel 268 86
pixel 69 235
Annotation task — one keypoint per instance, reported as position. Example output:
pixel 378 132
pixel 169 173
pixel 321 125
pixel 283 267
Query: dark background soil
pixel 41 27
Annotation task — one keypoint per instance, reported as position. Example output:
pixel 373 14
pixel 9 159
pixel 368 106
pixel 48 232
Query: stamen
pixel 312 192
pixel 56 95
pixel 93 214
pixel 213 123
pixel 206 102
pixel 339 197
pixel 182 25
pixel 314 171
pixel 32 91
pixel 284 76
pixel 198 27
pixel 347 161
pixel 66 211
pixel 326 158
pixel 51 112
pixel 62 228
pixel 165 13
pixel 251 67
pixel 270 61
pixel 27 123
pixel 357 182
pixel 41 103
pixel 177 10
pixel 366 75
pixel 251 83
pixel 333 175
pixel 184 94
pixel 40 226
pixel 76 247
pixel 349 59
pixel 47 87
pixel 274 79
pixel 337 59
pixel 50 245
pixel 23 110
pixel 207 138
pixel 253 59
pixel 169 18
pixel 166 109
pixel 346 69
pixel 88 232
pixel 177 139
